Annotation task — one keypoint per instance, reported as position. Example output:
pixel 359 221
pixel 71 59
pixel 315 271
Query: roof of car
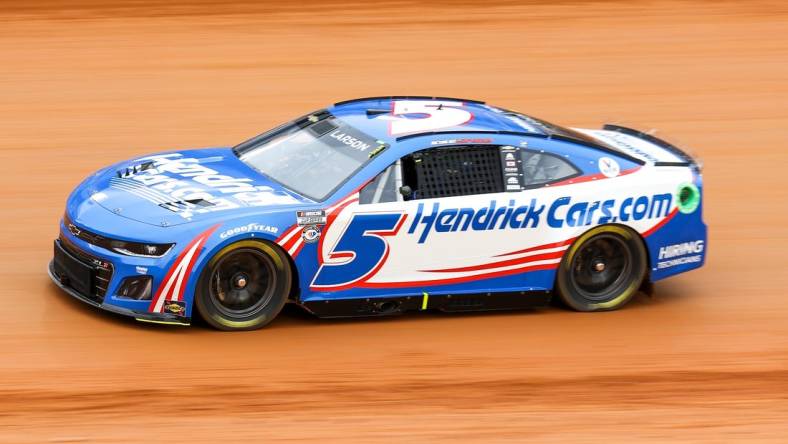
pixel 375 115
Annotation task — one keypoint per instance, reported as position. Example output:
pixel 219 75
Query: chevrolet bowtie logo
pixel 74 230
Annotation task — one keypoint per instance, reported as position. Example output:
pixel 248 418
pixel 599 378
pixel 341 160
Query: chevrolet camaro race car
pixel 383 205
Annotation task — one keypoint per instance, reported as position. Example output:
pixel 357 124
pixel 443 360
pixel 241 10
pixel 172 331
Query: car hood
pixel 185 186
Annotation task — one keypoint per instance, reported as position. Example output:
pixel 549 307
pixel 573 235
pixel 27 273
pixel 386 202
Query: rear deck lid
pixel 640 145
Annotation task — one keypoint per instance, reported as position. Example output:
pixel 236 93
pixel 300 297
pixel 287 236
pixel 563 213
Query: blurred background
pixel 86 83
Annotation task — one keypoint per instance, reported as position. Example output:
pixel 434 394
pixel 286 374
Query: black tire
pixel 602 270
pixel 244 286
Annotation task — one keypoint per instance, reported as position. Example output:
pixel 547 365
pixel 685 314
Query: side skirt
pixel 382 306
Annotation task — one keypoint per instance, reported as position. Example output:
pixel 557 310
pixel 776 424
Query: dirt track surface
pixel 705 359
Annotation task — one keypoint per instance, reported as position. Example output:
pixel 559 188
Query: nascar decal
pixel 174 282
pixel 185 187
pixel 307 228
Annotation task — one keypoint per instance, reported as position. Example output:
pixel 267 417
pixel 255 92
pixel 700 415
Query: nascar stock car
pixel 383 205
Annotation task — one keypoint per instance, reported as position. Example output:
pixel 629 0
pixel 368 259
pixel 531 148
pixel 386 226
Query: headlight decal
pixel 138 249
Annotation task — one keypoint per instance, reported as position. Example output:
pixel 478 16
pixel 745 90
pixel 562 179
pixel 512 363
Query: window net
pixel 458 171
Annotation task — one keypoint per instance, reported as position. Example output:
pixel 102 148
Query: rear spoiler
pixel 688 161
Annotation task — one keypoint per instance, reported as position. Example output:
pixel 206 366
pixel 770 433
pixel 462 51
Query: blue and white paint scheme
pixel 342 247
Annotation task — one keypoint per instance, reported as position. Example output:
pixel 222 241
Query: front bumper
pixel 159 318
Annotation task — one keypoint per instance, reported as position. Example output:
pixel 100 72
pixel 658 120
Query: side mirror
pixel 406 191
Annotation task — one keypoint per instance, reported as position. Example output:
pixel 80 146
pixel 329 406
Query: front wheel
pixel 244 286
pixel 602 270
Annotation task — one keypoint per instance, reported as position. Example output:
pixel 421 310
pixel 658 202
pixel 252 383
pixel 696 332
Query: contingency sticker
pixel 175 307
pixel 609 167
pixel 310 234
pixel 312 217
pixel 512 168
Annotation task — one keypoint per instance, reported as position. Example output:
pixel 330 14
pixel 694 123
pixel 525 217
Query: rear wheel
pixel 244 286
pixel 602 270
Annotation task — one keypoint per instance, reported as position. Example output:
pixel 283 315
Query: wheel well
pixel 294 284
pixel 295 289
pixel 627 235
pixel 647 277
pixel 208 314
pixel 639 236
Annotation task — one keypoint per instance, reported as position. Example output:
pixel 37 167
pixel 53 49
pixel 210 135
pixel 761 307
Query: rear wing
pixel 683 159
pixel 643 146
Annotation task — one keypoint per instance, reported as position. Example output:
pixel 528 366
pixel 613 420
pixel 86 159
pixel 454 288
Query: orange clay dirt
pixel 705 359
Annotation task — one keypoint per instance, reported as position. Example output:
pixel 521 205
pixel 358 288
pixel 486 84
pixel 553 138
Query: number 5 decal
pixel 439 115
pixel 364 246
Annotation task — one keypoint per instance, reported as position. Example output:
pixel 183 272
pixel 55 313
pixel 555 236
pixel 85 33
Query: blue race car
pixel 383 205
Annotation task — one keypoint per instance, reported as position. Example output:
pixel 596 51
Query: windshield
pixel 312 156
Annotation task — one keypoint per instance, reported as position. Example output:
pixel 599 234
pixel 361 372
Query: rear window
pixel 541 168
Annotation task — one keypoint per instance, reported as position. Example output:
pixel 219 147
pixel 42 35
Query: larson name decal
pixel 349 140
